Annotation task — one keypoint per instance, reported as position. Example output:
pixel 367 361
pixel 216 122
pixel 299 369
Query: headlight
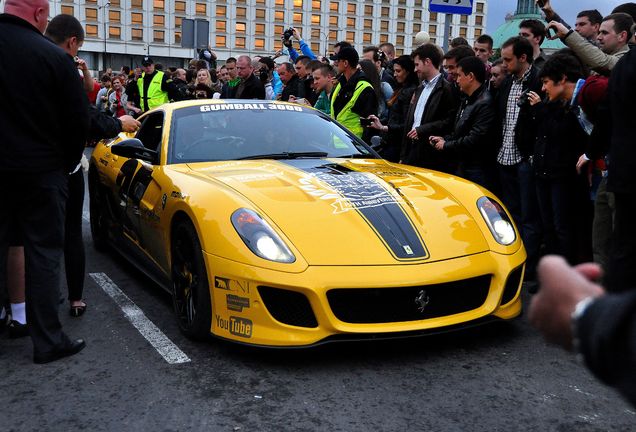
pixel 260 237
pixel 497 220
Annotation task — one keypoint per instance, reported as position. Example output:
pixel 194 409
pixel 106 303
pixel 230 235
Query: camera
pixel 524 98
pixel 263 74
pixel 365 121
pixel 287 35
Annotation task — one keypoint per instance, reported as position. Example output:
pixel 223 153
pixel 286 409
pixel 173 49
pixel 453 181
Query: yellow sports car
pixel 271 224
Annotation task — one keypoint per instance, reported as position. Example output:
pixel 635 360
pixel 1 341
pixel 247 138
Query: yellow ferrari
pixel 271 224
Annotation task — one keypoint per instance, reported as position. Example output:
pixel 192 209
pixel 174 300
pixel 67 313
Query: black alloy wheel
pixel 191 290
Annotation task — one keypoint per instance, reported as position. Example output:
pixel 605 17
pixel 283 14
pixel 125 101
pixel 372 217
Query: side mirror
pixel 376 142
pixel 133 149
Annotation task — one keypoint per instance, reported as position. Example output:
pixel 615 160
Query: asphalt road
pixel 496 378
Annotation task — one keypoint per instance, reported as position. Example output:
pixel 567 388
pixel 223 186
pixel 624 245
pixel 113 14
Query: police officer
pixel 154 87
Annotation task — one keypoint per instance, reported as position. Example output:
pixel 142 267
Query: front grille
pixel 512 286
pixel 288 307
pixel 384 305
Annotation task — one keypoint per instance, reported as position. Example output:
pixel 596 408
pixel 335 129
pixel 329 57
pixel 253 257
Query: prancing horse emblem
pixel 422 300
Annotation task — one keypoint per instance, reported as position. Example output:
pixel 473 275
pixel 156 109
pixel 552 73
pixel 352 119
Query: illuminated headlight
pixel 497 220
pixel 260 237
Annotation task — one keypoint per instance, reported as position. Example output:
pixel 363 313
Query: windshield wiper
pixel 287 155
pixel 357 156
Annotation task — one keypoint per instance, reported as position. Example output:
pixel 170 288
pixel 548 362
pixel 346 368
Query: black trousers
pixel 74 256
pixel 37 202
pixel 621 271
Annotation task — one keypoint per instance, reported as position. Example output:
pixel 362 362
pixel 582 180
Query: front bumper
pixel 240 313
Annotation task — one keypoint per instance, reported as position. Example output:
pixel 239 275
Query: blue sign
pixel 458 7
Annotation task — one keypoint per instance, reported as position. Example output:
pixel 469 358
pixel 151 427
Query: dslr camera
pixel 287 35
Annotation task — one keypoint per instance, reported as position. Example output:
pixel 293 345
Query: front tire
pixel 191 290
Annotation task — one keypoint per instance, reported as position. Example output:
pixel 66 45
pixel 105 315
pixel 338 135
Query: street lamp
pixel 104 6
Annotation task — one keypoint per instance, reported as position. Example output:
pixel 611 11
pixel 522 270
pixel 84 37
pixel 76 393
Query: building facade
pixel 122 31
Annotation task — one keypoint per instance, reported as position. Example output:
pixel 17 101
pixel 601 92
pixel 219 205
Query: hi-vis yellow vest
pixel 347 117
pixel 156 96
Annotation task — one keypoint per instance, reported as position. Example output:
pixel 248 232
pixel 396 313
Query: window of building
pixel 241 12
pixel 137 34
pixel 333 35
pixel 114 32
pixel 463 19
pixel 333 21
pixel 366 38
pixel 280 2
pixel 433 16
pixel 368 24
pixel 159 35
pixel 385 11
pixel 259 43
pixel 159 4
pixel 384 38
pixel 463 31
pixel 239 42
pixel 220 41
pixel 400 26
pixel 350 36
pixel 201 9
pixel 477 32
pixel 260 2
pixel 114 16
pixel 68 10
pixel 278 44
pixel 432 29
pixel 221 11
pixel 316 5
pixel 279 16
pixel 298 4
pixel 259 28
pixel 333 6
pixel 315 19
pixel 279 29
pixel 401 13
pixel 90 1
pixel 221 26
pixel 417 14
pixel 351 8
pixel 368 10
pixel 91 30
pixel 479 8
pixel 115 3
pixel 159 20
pixel 240 27
pixel 384 25
pixel 417 27
pixel 136 18
pixel 260 13
pixel 178 21
pixel 91 14
pixel 351 22
pixel 137 4
pixel 399 39
pixel 479 20
pixel 298 17
pixel 179 6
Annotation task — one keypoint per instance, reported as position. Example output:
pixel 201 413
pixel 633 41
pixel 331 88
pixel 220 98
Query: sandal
pixel 77 311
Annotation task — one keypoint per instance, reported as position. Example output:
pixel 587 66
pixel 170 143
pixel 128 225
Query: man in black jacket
pixel 470 144
pixel 432 112
pixel 44 133
pixel 290 80
pixel 513 159
pixel 250 87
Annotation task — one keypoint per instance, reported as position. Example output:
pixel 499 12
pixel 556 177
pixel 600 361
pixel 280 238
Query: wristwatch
pixel 578 312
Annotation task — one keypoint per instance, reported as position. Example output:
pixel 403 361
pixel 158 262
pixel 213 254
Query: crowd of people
pixel 548 134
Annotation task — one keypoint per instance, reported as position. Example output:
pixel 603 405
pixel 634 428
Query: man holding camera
pixel 514 160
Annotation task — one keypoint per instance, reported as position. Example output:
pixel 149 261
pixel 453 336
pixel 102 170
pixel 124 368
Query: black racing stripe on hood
pixel 373 201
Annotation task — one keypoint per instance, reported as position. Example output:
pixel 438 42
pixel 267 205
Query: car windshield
pixel 263 130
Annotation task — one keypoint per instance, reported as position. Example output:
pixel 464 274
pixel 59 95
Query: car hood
pixel 354 212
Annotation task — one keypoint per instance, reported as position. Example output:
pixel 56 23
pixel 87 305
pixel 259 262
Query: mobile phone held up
pixel 541 3
pixel 365 121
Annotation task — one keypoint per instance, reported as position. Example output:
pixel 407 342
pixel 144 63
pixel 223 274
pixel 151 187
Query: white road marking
pixel 164 346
